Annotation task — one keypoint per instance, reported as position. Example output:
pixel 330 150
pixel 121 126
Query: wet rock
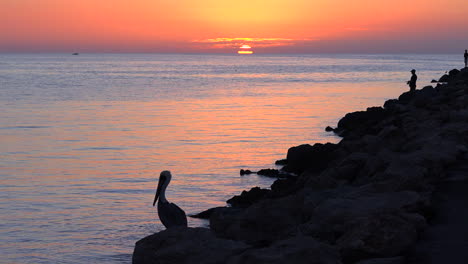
pixel 245 172
pixel 247 198
pixel 269 173
pixel 185 245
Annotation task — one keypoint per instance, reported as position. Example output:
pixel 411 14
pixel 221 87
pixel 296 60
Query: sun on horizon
pixel 245 50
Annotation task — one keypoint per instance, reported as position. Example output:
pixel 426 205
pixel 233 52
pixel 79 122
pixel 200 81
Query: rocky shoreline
pixel 364 200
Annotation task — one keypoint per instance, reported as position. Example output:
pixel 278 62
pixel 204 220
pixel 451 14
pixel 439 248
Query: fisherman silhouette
pixel 412 81
pixel 466 59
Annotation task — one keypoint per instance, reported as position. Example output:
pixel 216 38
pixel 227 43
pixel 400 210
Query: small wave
pixel 123 191
pixel 102 148
pixel 24 127
pixel 119 258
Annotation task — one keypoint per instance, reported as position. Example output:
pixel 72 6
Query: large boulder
pixel 361 122
pixel 424 97
pixel 182 245
pixel 246 199
pixel 316 157
pixel 453 75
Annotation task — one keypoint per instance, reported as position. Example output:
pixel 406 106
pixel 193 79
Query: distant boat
pixel 76 53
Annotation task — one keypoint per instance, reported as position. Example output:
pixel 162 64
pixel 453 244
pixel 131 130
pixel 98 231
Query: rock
pixel 453 74
pixel 269 173
pixel 390 104
pixel 220 220
pixel 316 157
pixel 349 168
pixel 399 176
pixel 424 96
pixel 361 202
pixel 394 260
pixel 284 186
pixel 461 77
pixel 359 123
pixel 281 162
pixel 262 222
pixel 207 213
pixel 444 78
pixel 296 250
pixel 329 129
pixel 245 172
pixel 379 235
pixel 185 245
pixel 406 97
pixel 248 198
pixel 319 181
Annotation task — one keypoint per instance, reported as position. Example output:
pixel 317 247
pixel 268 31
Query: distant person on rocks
pixel 412 81
pixel 466 58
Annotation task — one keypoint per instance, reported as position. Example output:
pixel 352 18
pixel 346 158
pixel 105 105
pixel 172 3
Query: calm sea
pixel 84 138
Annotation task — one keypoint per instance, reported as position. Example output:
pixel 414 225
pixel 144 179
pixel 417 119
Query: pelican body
pixel 170 214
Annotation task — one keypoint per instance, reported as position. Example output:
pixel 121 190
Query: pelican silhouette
pixel 170 214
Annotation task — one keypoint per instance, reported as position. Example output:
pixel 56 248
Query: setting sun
pixel 245 49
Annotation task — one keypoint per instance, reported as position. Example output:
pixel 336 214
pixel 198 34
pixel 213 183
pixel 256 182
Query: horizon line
pixel 220 53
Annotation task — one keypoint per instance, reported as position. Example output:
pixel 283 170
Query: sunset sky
pixel 268 26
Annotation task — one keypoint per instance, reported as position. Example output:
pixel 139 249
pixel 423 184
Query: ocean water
pixel 84 138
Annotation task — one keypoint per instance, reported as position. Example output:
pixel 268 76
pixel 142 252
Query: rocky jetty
pixel 363 200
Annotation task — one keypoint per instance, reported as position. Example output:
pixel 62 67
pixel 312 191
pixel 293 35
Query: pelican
pixel 170 214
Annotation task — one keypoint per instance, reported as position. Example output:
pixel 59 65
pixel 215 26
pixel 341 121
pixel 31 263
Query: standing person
pixel 466 58
pixel 412 81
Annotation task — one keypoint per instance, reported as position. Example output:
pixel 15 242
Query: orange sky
pixel 222 26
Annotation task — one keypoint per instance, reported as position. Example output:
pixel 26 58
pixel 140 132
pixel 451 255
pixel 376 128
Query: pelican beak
pixel 158 190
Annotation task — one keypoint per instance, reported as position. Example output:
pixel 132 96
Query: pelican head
pixel 164 180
